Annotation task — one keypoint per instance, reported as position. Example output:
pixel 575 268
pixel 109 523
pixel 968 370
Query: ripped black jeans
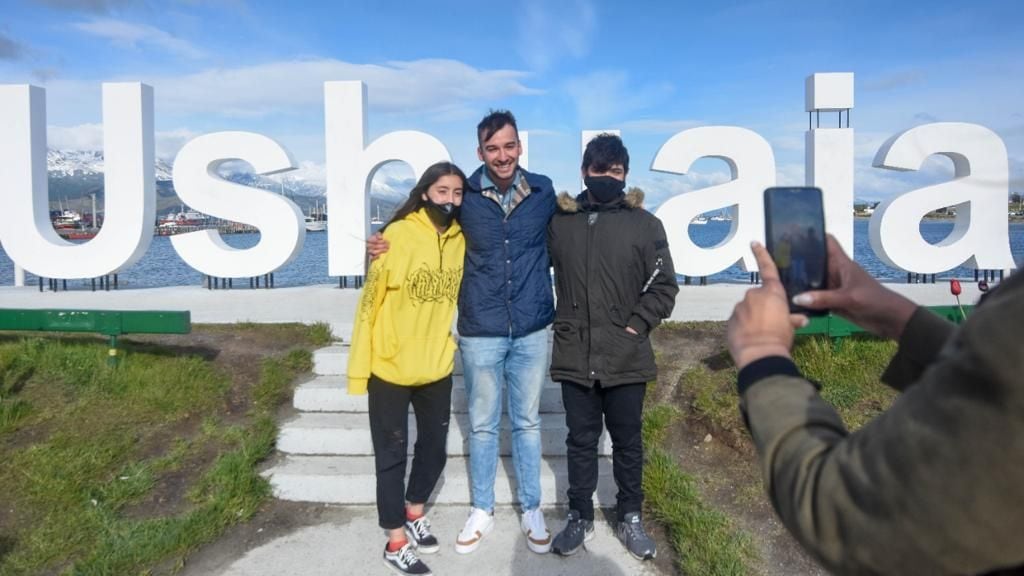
pixel 389 427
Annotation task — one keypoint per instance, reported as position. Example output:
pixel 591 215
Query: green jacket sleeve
pixel 934 485
pixel 920 343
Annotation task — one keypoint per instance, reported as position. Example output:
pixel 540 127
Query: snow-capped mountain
pixel 70 163
pixel 75 174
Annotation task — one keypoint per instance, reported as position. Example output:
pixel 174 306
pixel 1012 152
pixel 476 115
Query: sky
pixel 648 69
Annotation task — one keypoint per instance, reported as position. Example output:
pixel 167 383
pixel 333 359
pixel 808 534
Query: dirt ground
pixel 726 471
pixel 725 468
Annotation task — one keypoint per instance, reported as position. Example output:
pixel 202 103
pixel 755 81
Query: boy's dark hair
pixel 603 152
pixel 494 121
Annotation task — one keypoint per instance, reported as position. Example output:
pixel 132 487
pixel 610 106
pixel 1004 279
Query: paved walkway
pixel 350 543
pixel 336 306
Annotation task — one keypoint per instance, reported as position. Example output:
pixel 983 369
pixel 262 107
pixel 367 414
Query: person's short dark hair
pixel 605 151
pixel 494 121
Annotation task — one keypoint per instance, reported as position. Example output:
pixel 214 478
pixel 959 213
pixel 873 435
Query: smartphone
pixel 794 225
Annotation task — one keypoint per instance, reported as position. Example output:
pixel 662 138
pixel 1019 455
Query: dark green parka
pixel 613 269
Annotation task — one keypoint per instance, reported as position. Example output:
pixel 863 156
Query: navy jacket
pixel 506 283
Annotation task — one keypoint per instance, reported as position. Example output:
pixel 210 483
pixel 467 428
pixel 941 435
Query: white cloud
pixel 550 31
pixel 652 126
pixel 81 137
pixel 10 49
pixel 97 6
pixel 604 96
pixel 131 35
pixel 659 188
pixel 438 87
pixel 790 174
pixel 168 143
pixel 90 137
pixel 894 80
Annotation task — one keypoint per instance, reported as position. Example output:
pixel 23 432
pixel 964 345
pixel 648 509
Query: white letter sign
pixel 279 220
pixel 129 181
pixel 752 165
pixel 350 168
pixel 980 236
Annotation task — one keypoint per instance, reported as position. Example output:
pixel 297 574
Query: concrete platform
pixel 328 303
pixel 349 542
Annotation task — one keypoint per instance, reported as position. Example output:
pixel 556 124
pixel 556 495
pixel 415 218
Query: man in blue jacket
pixel 505 306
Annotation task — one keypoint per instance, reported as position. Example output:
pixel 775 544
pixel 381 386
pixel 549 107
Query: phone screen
pixel 795 234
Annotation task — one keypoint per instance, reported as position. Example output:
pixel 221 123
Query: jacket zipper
pixel 591 226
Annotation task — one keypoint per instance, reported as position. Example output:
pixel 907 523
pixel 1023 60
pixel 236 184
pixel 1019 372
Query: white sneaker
pixel 477 526
pixel 538 539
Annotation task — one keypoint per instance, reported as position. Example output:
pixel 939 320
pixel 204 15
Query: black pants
pixel 389 427
pixel 622 408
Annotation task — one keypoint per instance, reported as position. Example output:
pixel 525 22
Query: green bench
pixel 110 323
pixel 836 327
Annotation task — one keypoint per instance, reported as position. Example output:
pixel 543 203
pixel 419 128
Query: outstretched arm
pixel 889 498
pixel 860 298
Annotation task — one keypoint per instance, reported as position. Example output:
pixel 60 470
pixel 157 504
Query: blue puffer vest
pixel 506 283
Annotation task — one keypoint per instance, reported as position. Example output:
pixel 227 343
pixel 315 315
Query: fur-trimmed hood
pixel 634 198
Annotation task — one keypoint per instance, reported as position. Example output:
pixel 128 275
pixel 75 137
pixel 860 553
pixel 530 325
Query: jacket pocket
pixel 568 354
pixel 620 319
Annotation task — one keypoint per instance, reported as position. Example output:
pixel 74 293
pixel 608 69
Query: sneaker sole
pixel 538 548
pixel 398 570
pixel 419 547
pixel 587 537
pixel 469 548
pixel 642 558
pixel 652 556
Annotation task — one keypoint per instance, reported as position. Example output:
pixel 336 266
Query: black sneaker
pixel 632 535
pixel 419 534
pixel 571 538
pixel 404 561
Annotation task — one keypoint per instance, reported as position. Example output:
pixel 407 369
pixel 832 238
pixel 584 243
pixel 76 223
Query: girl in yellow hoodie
pixel 403 352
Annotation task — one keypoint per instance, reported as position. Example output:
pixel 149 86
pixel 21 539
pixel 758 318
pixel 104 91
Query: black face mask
pixel 604 189
pixel 441 214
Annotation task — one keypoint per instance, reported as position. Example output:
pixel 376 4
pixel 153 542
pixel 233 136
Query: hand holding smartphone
pixel 795 238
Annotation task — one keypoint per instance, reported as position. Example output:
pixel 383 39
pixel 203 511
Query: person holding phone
pixel 403 353
pixel 933 485
pixel 614 282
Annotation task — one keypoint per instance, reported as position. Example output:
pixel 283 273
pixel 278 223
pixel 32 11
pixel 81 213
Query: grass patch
pixel 849 372
pixel 320 334
pixel 88 452
pixel 705 541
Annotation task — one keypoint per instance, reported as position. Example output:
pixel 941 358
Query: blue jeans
pixel 489 363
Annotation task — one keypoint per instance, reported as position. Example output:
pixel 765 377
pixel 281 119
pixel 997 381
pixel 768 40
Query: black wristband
pixel 760 369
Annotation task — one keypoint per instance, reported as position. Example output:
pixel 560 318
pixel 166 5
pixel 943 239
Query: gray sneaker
pixel 632 535
pixel 571 538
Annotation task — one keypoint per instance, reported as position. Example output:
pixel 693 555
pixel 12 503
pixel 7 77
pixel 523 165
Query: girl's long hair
pixel 415 200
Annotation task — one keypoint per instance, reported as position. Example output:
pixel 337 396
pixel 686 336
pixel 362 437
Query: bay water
pixel 161 265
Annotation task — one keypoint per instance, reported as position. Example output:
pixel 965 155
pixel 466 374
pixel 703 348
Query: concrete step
pixel 330 361
pixel 342 433
pixel 333 361
pixel 330 394
pixel 351 480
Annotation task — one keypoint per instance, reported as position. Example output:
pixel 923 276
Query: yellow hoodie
pixel 402 332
